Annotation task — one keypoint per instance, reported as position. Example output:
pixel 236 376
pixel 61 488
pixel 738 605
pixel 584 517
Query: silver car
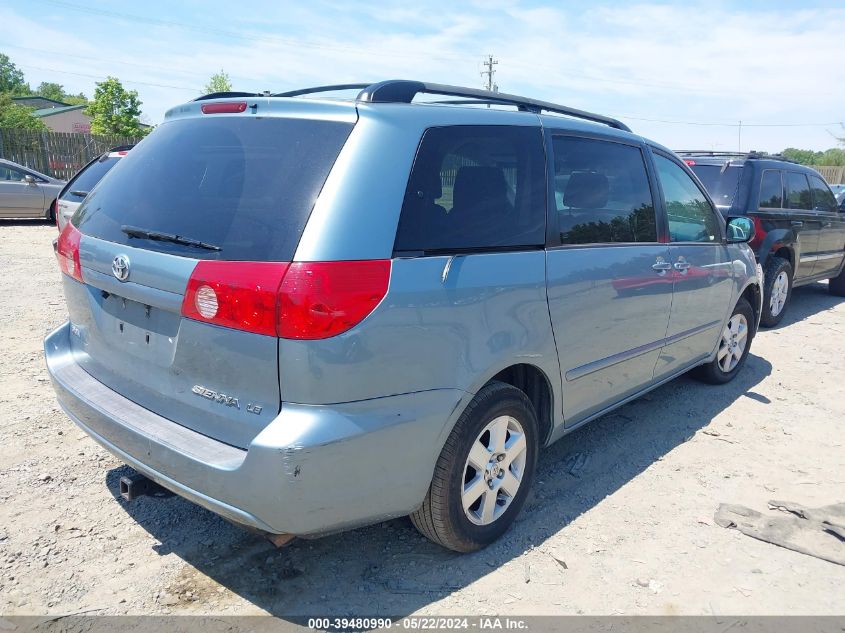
pixel 26 193
pixel 78 187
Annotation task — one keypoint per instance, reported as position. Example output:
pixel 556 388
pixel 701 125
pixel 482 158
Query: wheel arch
pixel 535 384
pixel 778 243
pixel 52 211
pixel 753 293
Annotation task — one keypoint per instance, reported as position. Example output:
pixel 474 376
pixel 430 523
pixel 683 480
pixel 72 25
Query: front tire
pixel 734 345
pixel 484 472
pixel 777 289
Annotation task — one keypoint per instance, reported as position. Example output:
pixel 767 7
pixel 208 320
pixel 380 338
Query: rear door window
pixel 243 184
pixel 721 181
pixel 798 196
pixel 771 190
pixel 602 193
pixel 691 218
pixel 475 188
pixel 823 199
pixel 84 181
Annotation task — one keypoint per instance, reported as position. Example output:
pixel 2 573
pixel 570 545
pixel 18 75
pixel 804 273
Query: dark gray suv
pixel 309 314
pixel 799 229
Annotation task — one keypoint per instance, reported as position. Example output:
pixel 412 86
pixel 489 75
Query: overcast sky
pixel 697 67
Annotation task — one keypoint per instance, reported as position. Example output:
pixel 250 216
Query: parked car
pixel 74 192
pixel 800 230
pixel 26 193
pixel 309 315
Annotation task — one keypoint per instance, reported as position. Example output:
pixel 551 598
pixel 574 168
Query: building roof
pixel 37 101
pixel 44 112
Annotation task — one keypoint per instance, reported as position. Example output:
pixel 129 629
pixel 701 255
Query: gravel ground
pixel 621 521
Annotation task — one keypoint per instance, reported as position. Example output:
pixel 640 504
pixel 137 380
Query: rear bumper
pixel 312 470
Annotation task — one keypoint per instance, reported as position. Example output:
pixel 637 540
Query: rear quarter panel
pixel 491 313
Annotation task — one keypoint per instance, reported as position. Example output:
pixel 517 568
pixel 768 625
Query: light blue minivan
pixel 309 314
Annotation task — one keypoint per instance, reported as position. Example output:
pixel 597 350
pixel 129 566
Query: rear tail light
pixel 759 234
pixel 323 299
pixel 67 251
pixel 223 108
pixel 303 300
pixel 240 295
pixel 689 162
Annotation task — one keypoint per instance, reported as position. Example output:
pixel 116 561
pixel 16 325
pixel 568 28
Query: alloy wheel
pixel 732 345
pixel 494 470
pixel 780 289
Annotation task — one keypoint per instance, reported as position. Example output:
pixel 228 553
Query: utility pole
pixel 490 72
pixel 739 135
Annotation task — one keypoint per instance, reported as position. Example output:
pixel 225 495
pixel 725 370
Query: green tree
pixel 50 90
pixel 115 110
pixel 803 156
pixel 16 116
pixel 219 82
pixel 78 99
pixel 11 77
pixel 833 156
pixel 57 92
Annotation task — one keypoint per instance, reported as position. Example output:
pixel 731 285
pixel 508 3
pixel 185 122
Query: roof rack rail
pixel 230 95
pixel 707 152
pixel 477 102
pixel 404 91
pixel 316 89
pixel 752 155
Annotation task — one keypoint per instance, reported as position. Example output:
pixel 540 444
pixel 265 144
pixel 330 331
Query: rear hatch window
pixel 720 181
pixel 84 181
pixel 245 185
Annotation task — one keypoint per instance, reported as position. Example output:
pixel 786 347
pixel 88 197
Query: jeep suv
pixel 313 314
pixel 800 230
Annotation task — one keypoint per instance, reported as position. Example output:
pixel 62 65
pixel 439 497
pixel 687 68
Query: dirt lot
pixel 627 503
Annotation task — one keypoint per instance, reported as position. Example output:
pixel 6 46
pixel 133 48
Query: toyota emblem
pixel 120 267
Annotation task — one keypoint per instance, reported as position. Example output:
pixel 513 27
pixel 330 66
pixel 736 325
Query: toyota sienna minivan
pixel 311 314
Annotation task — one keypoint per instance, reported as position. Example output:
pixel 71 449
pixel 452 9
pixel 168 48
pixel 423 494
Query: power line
pixel 298 43
pixel 618 116
pixel 101 77
pixel 724 124
pixel 250 37
pixel 109 60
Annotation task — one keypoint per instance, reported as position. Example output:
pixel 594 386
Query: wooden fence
pixel 57 154
pixel 833 175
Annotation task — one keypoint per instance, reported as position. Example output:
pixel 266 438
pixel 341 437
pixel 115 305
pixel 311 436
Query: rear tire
pixel 836 285
pixel 51 211
pixel 734 345
pixel 484 473
pixel 777 290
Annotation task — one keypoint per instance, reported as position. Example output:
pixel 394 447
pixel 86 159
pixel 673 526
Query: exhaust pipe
pixel 137 485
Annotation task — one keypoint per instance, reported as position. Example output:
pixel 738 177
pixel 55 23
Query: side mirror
pixel 740 229
pixel 29 179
